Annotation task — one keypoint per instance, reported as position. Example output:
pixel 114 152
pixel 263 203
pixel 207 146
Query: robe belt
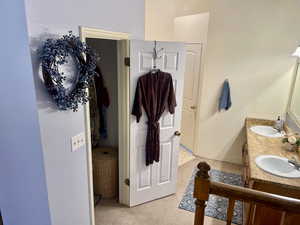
pixel 153 124
pixel 152 142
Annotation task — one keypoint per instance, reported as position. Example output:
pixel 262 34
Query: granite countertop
pixel 260 145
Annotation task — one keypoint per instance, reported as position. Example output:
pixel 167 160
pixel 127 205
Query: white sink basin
pixel 267 131
pixel 277 166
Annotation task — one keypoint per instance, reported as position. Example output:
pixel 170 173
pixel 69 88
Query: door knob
pixel 193 107
pixel 177 133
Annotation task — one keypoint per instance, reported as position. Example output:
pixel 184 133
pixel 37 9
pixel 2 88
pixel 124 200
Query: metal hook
pixel 155 54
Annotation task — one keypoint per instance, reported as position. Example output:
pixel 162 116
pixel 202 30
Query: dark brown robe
pixel 154 92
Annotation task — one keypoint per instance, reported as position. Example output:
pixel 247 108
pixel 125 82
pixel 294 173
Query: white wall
pixel 66 172
pixel 250 44
pixel 107 50
pixel 23 190
pixel 113 15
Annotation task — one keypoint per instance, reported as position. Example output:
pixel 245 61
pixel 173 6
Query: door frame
pixel 196 142
pixel 123 115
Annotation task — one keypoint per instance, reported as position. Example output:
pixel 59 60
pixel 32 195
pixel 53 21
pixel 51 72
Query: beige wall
pixel 159 16
pixel 189 7
pixel 295 96
pixel 184 28
pixel 249 42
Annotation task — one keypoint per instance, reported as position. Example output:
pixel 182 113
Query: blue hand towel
pixel 225 98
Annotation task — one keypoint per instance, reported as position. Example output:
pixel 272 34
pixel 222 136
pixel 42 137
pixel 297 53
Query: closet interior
pixel 103 106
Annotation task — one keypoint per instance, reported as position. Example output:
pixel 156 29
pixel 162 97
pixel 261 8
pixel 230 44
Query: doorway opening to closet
pixel 106 119
pixel 104 123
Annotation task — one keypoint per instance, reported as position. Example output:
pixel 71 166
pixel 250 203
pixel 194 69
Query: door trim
pixel 123 75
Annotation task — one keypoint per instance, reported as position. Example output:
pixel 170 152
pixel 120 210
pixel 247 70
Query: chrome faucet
pixel 294 162
pixel 278 124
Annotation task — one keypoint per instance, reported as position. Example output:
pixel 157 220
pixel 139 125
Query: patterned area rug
pixel 216 206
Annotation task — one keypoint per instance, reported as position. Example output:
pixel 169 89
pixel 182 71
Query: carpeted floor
pixel 163 211
pixel 185 156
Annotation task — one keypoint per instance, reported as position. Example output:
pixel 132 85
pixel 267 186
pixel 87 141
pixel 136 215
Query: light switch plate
pixel 77 142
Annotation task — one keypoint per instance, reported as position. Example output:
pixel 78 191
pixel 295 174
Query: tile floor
pixel 163 211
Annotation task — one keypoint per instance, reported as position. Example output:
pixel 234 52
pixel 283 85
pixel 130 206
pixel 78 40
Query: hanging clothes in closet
pixel 155 93
pixel 103 101
pixel 99 102
pixel 94 114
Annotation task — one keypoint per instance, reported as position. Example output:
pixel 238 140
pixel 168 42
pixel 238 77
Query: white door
pixel 190 94
pixel 159 179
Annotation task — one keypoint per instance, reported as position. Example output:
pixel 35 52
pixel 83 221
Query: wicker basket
pixel 105 171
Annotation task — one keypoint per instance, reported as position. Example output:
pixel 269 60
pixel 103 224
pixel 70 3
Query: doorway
pixel 104 123
pixel 190 110
pixel 145 183
pixel 117 47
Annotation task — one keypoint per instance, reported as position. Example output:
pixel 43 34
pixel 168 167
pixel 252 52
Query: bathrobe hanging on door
pixel 155 93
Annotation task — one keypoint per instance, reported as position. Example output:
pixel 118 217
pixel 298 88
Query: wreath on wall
pixel 53 54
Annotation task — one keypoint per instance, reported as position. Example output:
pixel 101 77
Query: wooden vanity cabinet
pixel 259 215
pixel 246 172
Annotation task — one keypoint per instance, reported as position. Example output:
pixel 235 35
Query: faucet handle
pixel 294 162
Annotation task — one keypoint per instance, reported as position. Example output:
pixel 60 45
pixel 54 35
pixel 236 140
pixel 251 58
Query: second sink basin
pixel 267 131
pixel 278 166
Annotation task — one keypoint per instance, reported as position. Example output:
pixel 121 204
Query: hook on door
pixel 155 54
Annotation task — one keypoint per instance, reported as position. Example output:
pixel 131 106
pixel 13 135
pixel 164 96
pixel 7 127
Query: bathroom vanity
pixel 258 179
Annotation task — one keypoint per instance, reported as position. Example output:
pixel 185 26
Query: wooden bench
pixel 204 187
